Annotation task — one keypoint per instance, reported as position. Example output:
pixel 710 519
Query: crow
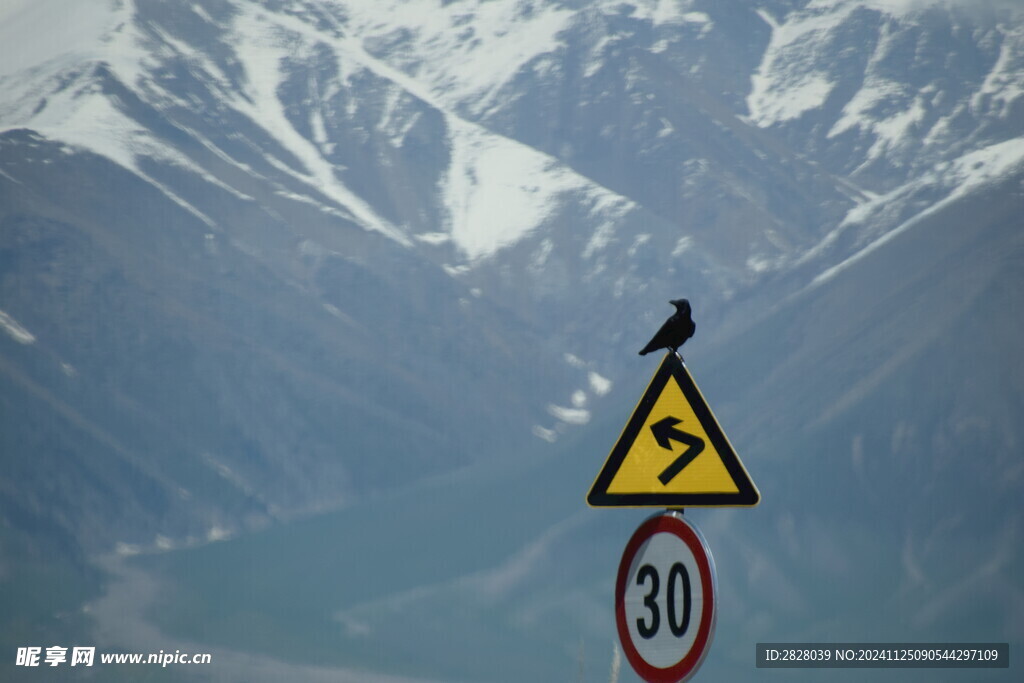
pixel 676 330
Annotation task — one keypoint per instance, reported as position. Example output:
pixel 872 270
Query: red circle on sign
pixel 674 524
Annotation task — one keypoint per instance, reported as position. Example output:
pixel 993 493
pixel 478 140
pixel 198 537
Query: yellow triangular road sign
pixel 672 452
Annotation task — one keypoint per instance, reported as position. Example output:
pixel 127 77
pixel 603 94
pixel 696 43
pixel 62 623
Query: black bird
pixel 676 330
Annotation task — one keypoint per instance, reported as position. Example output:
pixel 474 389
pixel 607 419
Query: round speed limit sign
pixel 665 598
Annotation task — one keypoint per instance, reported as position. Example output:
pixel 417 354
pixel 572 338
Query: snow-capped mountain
pixel 264 257
pixel 260 259
pixel 888 91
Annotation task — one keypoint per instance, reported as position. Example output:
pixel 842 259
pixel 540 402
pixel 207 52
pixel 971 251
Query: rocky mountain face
pixel 262 258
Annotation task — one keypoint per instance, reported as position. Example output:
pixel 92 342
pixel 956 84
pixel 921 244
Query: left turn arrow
pixel 665 433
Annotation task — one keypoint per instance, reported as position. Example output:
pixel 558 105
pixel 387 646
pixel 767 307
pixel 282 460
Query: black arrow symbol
pixel 665 432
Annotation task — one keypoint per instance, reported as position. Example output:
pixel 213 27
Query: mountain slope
pixel 262 259
pixel 890 469
pixel 223 381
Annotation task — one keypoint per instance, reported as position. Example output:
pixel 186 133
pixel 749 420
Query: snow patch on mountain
pixel 789 80
pixel 82 116
pixel 598 384
pixel 549 435
pixel 263 44
pixel 1004 84
pixel 61 95
pixel 15 330
pixel 793 77
pixel 957 178
pixel 862 112
pixel 573 416
pixel 577 414
pixel 434 238
pixel 882 106
pixel 660 12
pixel 463 51
pixel 30 37
pixel 78 36
pixel 61 98
pixel 498 190
pixel 985 165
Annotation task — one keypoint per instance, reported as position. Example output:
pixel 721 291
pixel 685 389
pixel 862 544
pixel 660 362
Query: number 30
pixel 678 628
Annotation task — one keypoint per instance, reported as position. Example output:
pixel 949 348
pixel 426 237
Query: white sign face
pixel 665 599
pixel 664 593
